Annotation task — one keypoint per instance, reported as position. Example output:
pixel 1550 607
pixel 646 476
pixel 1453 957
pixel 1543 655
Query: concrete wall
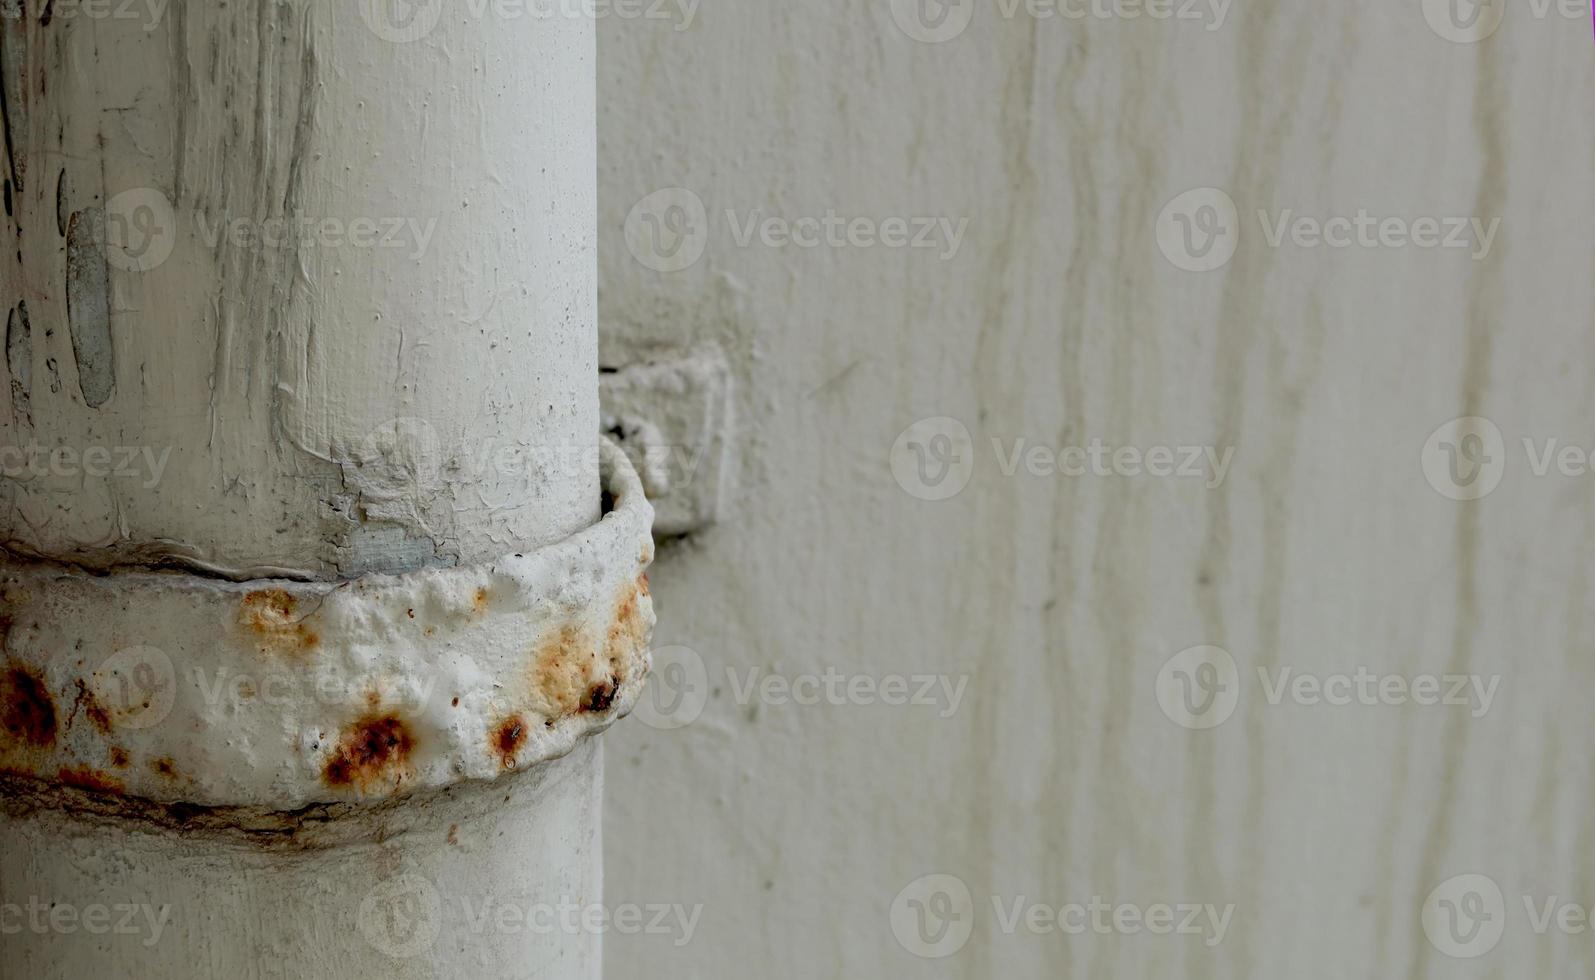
pixel 1331 543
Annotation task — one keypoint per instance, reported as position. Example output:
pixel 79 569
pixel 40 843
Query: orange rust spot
pixel 165 768
pixel 601 698
pixel 269 615
pixel 119 757
pixel 87 779
pixel 480 600
pixel 371 751
pixel 628 634
pixel 564 667
pixel 27 712
pixel 570 675
pixel 509 739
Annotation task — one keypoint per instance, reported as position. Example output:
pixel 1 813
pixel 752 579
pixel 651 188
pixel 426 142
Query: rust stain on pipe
pixel 372 753
pixel 270 616
pixel 27 712
pixel 508 739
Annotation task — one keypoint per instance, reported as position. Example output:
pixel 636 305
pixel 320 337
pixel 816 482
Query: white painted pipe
pixel 499 882
pixel 345 310
pixel 308 595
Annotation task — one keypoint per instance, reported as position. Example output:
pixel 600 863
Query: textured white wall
pixel 1060 599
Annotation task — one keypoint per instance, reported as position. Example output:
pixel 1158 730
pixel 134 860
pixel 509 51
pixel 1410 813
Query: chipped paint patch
pixel 88 303
pixel 19 361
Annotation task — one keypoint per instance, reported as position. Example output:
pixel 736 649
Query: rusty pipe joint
pixel 336 719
